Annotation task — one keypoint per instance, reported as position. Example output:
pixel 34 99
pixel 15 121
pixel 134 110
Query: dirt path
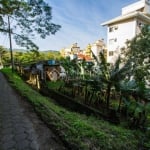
pixel 20 127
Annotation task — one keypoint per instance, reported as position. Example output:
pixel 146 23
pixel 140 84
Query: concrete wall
pixel 142 5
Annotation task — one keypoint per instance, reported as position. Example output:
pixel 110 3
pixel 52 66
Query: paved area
pixel 20 127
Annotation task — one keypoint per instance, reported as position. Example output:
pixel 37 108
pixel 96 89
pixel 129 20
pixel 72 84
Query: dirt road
pixel 20 127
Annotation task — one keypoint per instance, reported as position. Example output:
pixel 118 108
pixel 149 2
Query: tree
pixel 111 76
pixel 18 57
pixel 70 66
pixel 29 17
pixel 138 49
pixel 135 91
pixel 2 53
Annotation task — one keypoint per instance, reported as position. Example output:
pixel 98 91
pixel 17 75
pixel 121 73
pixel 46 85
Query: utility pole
pixel 10 42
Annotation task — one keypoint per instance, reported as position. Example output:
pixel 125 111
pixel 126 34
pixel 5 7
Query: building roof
pixel 121 18
pixel 84 57
pixel 139 5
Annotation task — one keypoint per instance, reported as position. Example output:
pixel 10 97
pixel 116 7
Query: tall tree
pixel 138 49
pixel 29 17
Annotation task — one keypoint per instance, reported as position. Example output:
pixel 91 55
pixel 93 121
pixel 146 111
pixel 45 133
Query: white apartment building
pixel 98 47
pixel 125 27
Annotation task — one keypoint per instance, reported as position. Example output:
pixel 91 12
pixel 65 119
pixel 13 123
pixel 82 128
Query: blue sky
pixel 80 20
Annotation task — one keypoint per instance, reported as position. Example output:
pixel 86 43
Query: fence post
pixel 37 81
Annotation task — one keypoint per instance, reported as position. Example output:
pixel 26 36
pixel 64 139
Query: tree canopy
pixel 138 50
pixel 30 17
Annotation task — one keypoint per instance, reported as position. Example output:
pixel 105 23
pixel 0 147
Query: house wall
pixel 147 7
pixel 97 47
pixel 141 5
pixel 116 39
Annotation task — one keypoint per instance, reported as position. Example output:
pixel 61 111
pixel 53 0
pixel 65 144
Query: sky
pixel 80 22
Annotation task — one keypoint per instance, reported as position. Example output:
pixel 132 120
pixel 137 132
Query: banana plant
pixel 136 99
pixel 112 75
pixel 71 67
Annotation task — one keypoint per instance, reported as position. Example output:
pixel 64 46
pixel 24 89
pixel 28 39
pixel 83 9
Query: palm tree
pixel 71 67
pixel 136 98
pixel 111 76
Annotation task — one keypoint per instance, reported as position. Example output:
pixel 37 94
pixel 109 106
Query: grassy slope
pixel 80 131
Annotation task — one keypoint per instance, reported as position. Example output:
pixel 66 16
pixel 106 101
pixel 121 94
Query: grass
pixel 55 85
pixel 80 131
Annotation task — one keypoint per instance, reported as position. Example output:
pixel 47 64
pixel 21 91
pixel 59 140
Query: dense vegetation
pixel 26 57
pixel 80 131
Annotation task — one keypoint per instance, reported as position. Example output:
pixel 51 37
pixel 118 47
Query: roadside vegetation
pixel 76 130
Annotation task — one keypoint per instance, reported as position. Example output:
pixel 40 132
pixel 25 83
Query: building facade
pixel 74 51
pixel 126 27
pixel 97 47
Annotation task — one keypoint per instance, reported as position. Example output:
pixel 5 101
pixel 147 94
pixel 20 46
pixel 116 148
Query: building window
pixel 110 29
pixel 112 41
pixel 116 27
pixel 140 24
pixel 111 53
pixel 113 28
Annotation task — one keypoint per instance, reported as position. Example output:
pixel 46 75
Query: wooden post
pixel 37 81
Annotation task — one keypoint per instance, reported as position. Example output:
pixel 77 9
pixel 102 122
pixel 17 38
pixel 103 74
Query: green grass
pixel 55 85
pixel 80 131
